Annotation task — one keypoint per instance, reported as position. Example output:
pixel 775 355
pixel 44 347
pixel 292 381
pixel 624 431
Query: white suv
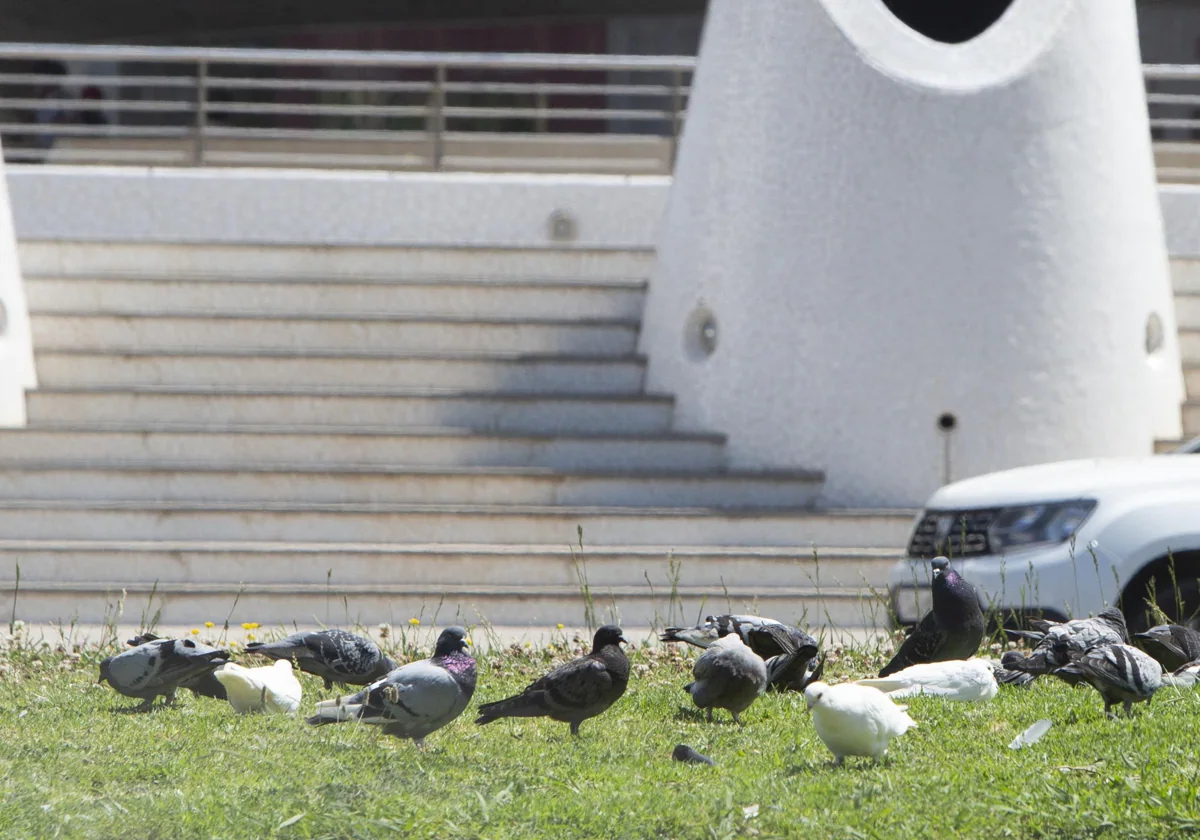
pixel 1065 539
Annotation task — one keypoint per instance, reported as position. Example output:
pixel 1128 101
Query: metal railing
pixel 395 110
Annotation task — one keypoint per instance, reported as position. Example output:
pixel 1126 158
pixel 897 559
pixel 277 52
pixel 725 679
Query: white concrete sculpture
pixel 16 342
pixel 874 236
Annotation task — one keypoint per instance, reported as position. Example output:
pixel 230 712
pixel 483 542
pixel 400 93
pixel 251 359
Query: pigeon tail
pixel 529 704
pixel 335 711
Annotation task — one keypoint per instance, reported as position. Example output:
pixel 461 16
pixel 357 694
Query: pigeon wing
pixel 411 696
pixel 576 686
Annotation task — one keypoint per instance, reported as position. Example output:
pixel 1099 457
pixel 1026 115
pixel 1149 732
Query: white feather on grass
pixel 1031 735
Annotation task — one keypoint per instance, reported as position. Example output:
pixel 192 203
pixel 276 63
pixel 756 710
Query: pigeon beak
pixel 467 639
pixel 623 639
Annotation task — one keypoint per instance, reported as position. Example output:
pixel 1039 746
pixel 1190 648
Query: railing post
pixel 676 107
pixel 201 112
pixel 437 116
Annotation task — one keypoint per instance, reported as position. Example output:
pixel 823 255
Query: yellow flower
pixel 208 624
pixel 414 621
pixel 250 636
pixel 195 631
pixel 245 625
pixel 560 626
pixel 253 625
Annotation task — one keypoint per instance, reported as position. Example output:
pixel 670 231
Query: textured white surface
pixel 16 344
pixel 310 207
pixel 887 228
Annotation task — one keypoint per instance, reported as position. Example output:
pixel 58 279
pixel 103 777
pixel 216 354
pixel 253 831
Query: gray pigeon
pixel 794 651
pixel 205 685
pixel 159 668
pixel 1004 676
pixel 416 699
pixel 687 755
pixel 1173 645
pixel 953 629
pixel 1186 676
pixel 1056 641
pixel 574 692
pixel 1121 673
pixel 728 676
pixel 336 656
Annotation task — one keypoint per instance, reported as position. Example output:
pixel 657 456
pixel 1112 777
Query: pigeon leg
pixel 1128 708
pixel 735 718
pixel 708 714
pixel 574 727
pixel 328 683
pixel 1108 711
pixel 170 697
pixel 839 761
pixel 420 742
pixel 145 705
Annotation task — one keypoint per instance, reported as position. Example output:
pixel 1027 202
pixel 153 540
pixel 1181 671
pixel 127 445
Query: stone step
pixel 500 524
pixel 445 297
pixel 1191 419
pixel 210 260
pixel 280 607
pixel 1163 446
pixel 1189 346
pixel 219 331
pixel 535 413
pixel 1191 379
pixel 367 483
pixel 1187 309
pixel 472 372
pixel 133 564
pixel 1185 276
pixel 315 445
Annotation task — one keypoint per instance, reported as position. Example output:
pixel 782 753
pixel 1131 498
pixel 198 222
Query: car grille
pixel 954 533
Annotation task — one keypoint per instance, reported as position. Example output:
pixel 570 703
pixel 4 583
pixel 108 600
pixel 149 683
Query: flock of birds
pixel 743 657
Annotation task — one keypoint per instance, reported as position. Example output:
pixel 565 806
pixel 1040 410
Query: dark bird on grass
pixel 1185 676
pixel 336 656
pixel 1173 645
pixel 574 692
pixel 159 668
pixel 205 685
pixel 1056 641
pixel 688 755
pixel 1004 676
pixel 953 629
pixel 416 699
pixel 1121 673
pixel 728 676
pixel 769 638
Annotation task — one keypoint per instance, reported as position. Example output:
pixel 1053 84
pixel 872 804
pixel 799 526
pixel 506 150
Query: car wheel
pixel 1181 604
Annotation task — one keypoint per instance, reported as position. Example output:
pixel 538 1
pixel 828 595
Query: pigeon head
pixel 940 565
pixel 609 634
pixel 452 640
pixel 1114 617
pixel 105 673
pixel 813 693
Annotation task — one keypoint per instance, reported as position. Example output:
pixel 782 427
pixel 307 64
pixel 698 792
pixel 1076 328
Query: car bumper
pixel 1056 581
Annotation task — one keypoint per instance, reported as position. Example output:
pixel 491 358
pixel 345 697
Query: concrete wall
pixel 885 228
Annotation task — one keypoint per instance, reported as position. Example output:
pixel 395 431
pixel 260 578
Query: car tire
pixel 1169 599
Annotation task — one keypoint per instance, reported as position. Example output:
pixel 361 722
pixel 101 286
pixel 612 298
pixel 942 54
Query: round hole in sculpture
pixel 949 21
pixel 3 319
pixel 1154 334
pixel 700 334
pixel 947 422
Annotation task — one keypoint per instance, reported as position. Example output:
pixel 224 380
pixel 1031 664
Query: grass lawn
pixel 73 765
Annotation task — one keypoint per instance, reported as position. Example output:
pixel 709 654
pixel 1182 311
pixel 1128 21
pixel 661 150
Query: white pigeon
pixel 965 680
pixel 855 719
pixel 273 688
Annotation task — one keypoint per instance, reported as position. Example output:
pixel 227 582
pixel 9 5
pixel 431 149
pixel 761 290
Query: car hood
pixel 1067 480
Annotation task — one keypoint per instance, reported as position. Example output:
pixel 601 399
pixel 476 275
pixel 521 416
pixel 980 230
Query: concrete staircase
pixel 1185 275
pixel 369 434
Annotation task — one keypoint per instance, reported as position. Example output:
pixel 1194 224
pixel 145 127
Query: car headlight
pixel 1030 526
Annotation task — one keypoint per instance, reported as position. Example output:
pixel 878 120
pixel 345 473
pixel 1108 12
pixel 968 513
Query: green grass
pixel 72 765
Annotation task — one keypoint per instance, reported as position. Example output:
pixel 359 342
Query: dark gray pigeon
pixel 1173 645
pixel 336 656
pixel 766 637
pixel 574 692
pixel 728 676
pixel 1121 673
pixel 1056 641
pixel 1004 676
pixel 688 755
pixel 416 699
pixel 953 629
pixel 205 685
pixel 159 668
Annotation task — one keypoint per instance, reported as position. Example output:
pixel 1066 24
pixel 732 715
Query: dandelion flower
pixel 208 624
pixel 245 625
pixel 253 625
pixel 195 631
pixel 560 626
pixel 414 621
pixel 250 636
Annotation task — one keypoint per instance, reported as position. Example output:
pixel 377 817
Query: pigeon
pixel 688 755
pixel 855 719
pixel 954 679
pixel 159 667
pixel 769 638
pixel 205 685
pixel 728 676
pixel 1121 673
pixel 1186 676
pixel 574 692
pixel 1056 641
pixel 1003 676
pixel 953 629
pixel 273 688
pixel 414 700
pixel 336 656
pixel 1173 645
